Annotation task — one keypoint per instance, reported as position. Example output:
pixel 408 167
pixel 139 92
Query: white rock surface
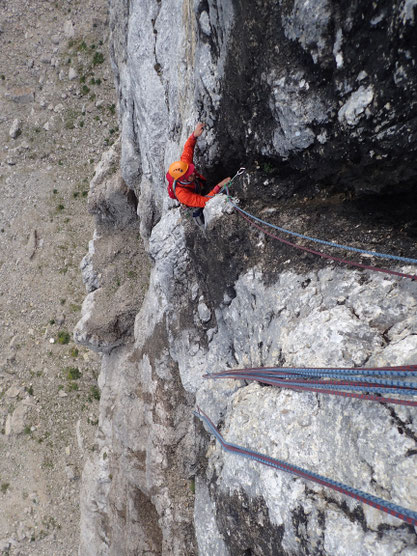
pixel 16 128
pixel 353 110
pixel 329 317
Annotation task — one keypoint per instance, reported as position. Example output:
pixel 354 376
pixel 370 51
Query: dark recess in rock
pixel 378 154
pixel 148 516
pixel 246 527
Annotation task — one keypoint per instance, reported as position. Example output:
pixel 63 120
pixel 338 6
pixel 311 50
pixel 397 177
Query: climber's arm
pixel 188 152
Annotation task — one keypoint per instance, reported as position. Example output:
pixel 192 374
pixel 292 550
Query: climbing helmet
pixel 178 169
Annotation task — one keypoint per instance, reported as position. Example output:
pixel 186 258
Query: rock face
pixel 318 102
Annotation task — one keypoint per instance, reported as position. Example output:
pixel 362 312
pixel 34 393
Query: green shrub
pixel 98 58
pixel 73 373
pixel 63 337
pixel 95 392
pixel 4 487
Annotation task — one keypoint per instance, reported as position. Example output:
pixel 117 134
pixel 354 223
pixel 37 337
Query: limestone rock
pixel 15 422
pixel 204 312
pixel 304 101
pixel 110 199
pixel 13 392
pixel 69 30
pixel 15 129
pixel 90 276
pixel 72 74
pixel 21 95
pixel 218 207
pixel 103 326
pixel 353 109
pixel 32 244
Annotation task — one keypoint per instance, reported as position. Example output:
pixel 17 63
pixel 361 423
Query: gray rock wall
pixel 300 96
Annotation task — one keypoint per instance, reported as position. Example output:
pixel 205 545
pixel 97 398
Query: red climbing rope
pixel 405 514
pixel 323 255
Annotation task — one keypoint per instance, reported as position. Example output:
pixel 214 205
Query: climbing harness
pixel 252 219
pixel 351 383
pixel 405 514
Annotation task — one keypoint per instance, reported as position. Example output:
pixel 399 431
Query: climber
pixel 186 184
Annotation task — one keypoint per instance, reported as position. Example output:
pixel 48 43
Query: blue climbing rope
pixel 352 383
pixel 328 385
pixel 400 371
pixel 315 240
pixel 368 382
pixel 250 218
pixel 405 514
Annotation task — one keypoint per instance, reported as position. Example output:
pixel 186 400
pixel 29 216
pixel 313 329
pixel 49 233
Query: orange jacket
pixel 186 193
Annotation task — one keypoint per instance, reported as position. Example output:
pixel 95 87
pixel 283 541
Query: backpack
pixel 171 189
pixel 199 185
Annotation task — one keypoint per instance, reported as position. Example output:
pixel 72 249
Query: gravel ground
pixel 57 117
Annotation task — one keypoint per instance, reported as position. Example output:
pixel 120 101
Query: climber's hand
pixel 224 182
pixel 199 128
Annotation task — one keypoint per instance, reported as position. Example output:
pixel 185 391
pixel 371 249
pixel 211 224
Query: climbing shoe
pixel 198 216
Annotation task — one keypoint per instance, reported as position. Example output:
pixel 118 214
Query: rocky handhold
pixel 353 110
pixel 408 13
pixel 217 208
pixel 15 129
pixel 204 312
pixel 205 23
